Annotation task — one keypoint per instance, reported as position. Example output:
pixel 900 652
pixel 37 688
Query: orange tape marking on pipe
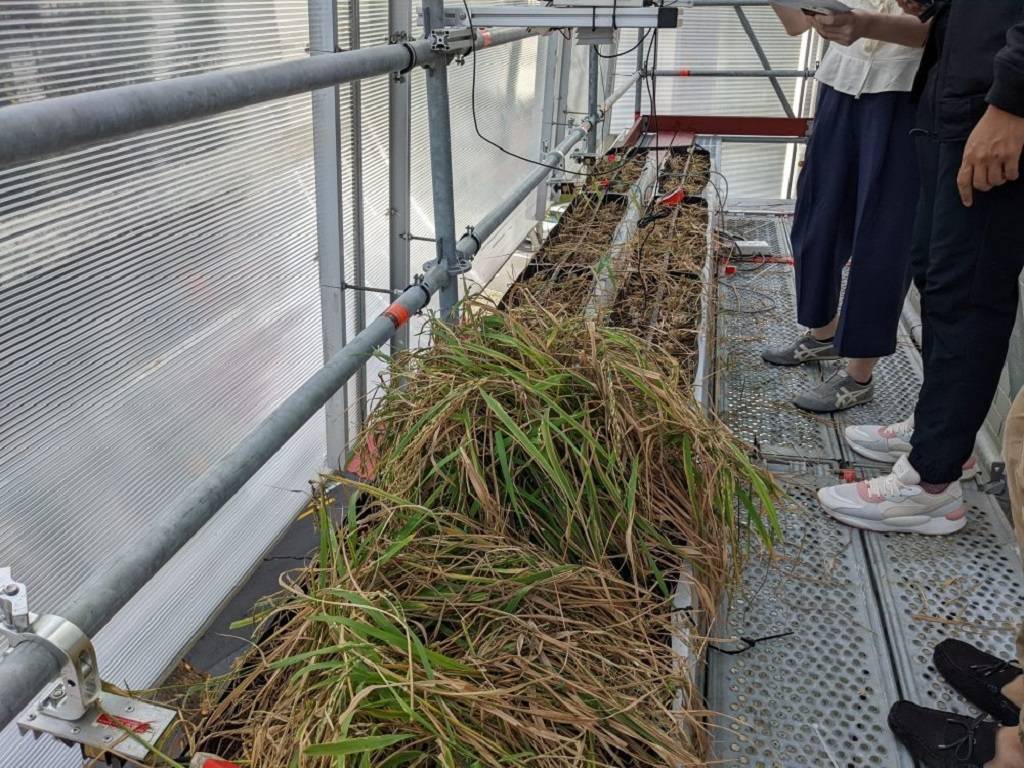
pixel 684 73
pixel 397 314
pixel 486 35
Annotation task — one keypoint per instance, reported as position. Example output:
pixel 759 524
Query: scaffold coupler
pixel 112 730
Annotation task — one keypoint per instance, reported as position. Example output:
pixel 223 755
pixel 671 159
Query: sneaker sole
pixel 795 363
pixel 886 457
pixel 831 408
pixel 891 457
pixel 932 526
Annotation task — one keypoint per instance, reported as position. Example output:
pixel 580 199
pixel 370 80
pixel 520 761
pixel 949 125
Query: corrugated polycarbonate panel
pixel 713 38
pixel 159 298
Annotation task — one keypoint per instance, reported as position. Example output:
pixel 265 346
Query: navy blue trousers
pixel 855 203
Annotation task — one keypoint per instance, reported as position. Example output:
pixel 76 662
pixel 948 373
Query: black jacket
pixel 974 57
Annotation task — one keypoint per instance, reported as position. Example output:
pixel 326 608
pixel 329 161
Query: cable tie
pixel 472 234
pixel 412 59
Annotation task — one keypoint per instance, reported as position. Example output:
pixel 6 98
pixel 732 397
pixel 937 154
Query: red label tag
pixel 124 723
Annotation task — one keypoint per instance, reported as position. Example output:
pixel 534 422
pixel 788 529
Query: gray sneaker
pixel 806 349
pixel 836 393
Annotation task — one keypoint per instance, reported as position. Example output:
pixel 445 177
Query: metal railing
pixel 43 128
pixel 39 129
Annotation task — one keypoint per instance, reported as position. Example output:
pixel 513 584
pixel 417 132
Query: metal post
pixel 358 223
pixel 400 162
pixel 638 99
pixel 443 185
pixel 548 90
pixel 763 57
pixel 561 98
pixel 323 39
pixel 30 667
pixel 608 84
pixel 594 73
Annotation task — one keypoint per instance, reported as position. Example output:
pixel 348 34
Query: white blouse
pixel 869 66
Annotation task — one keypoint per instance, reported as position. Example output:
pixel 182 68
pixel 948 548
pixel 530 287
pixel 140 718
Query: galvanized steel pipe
pixel 472 240
pixel 29 668
pixel 770 73
pixel 619 93
pixel 37 129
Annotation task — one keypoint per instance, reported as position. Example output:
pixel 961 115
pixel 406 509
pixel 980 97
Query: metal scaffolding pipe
pixel 471 241
pixel 399 166
pixel 29 668
pixel 593 72
pixel 763 58
pixel 441 174
pixel 618 93
pixel 739 139
pixel 40 128
pixel 640 66
pixel 724 3
pixel 769 73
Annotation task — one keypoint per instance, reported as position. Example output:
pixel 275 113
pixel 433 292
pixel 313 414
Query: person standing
pixel 994 685
pixel 858 181
pixel 970 231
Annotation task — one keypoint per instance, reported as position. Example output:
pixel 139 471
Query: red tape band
pixel 397 314
pixel 485 34
pixel 684 73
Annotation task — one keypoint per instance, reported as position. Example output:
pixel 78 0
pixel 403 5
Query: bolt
pixel 76 729
pixel 58 692
pixel 11 589
pixel 129 708
pixel 32 716
pixel 108 738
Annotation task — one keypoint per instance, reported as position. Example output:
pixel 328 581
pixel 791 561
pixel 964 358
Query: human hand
pixel 912 7
pixel 992 155
pixel 841 28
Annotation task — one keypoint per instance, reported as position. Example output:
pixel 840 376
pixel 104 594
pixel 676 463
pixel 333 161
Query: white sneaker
pixel 896 503
pixel 881 443
pixel 889 443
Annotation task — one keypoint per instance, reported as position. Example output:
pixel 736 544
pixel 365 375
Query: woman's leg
pixel 822 231
pixel 823 222
pixel 887 192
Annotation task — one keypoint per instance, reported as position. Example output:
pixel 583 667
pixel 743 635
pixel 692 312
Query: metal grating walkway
pixel 865 610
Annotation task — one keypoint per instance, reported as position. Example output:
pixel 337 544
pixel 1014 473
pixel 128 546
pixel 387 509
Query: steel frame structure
pixel 38 129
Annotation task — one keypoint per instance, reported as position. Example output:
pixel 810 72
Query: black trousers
pixel 966 262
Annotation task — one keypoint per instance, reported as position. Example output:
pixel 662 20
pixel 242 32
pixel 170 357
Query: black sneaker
pixel 941 739
pixel 979 677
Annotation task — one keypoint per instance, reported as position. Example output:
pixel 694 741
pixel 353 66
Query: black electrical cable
pixel 639 42
pixel 496 145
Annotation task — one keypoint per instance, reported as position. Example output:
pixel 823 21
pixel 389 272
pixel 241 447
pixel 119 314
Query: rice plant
pixel 573 436
pixel 454 648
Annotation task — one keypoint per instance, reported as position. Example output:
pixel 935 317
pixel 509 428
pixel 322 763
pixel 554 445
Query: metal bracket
pixel 443 38
pixel 71 710
pixel 412 238
pixel 370 289
pixel 79 686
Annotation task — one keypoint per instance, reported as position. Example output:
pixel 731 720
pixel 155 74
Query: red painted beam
pixel 718 125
